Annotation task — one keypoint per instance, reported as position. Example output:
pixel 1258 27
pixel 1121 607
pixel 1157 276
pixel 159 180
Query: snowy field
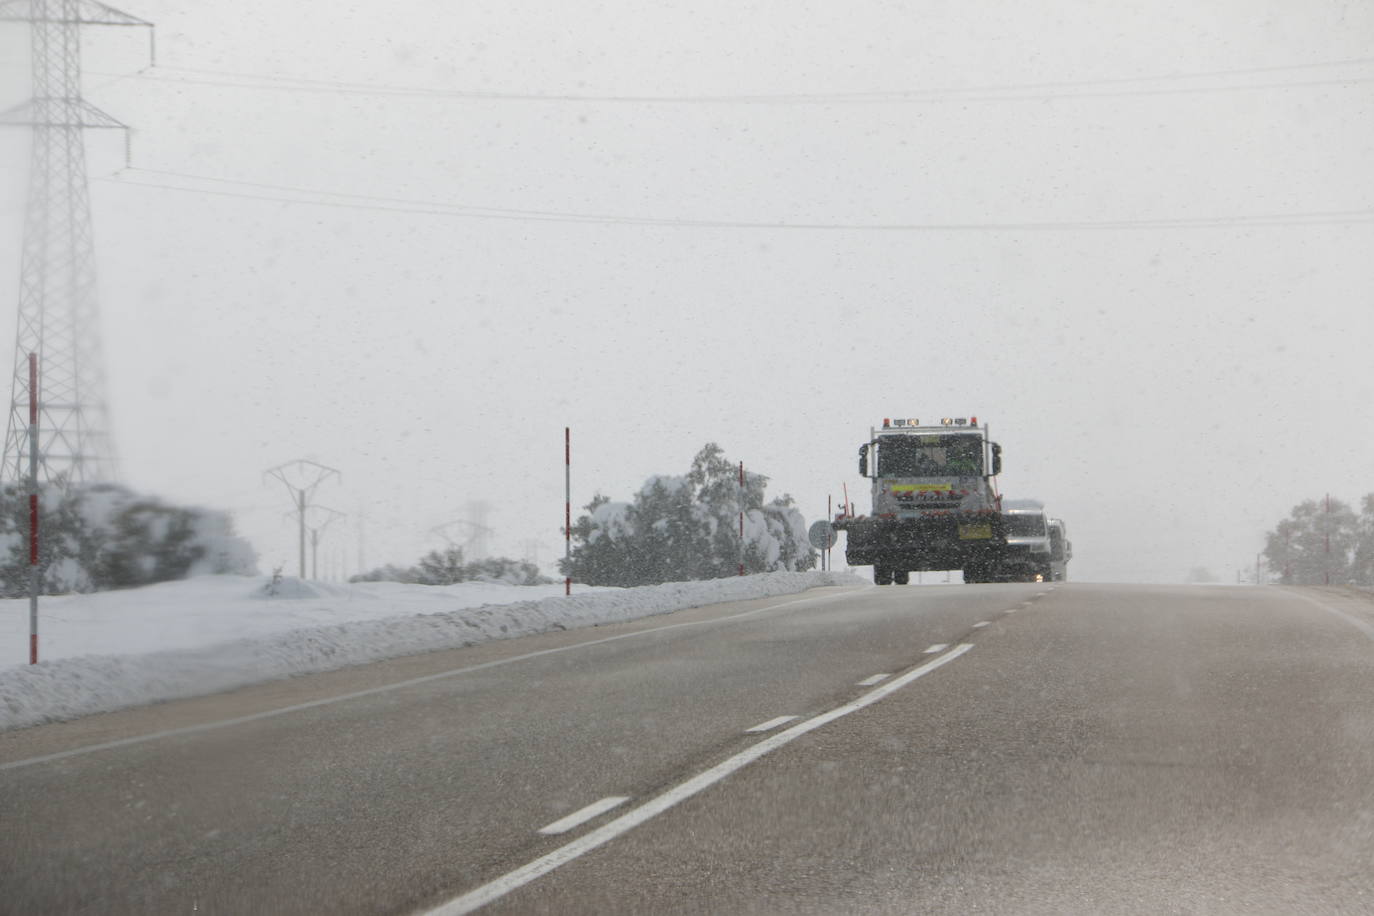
pixel 111 650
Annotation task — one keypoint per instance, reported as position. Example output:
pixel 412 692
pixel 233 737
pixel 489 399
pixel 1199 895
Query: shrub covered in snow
pixel 685 528
pixel 447 567
pixel 103 536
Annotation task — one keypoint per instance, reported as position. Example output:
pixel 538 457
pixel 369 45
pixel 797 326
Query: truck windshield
pixel 930 456
pixel 1026 526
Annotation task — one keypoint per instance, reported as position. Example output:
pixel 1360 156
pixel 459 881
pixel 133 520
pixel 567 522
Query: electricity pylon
pixel 472 538
pixel 57 290
pixel 302 478
pixel 324 517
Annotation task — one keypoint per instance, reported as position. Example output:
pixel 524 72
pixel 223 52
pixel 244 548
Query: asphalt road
pixel 954 749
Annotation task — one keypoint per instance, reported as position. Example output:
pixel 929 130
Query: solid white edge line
pixel 384 688
pixel 1355 622
pixel 499 887
pixel 875 679
pixel 577 818
pixel 769 725
pixel 938 647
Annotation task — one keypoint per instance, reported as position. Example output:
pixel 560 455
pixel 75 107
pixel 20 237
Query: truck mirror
pixel 863 460
pixel 996 459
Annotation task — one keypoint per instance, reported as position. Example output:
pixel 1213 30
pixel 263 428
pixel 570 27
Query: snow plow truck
pixel 936 507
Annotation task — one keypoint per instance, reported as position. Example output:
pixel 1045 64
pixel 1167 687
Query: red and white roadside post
pixel 567 510
pixel 33 509
pixel 741 518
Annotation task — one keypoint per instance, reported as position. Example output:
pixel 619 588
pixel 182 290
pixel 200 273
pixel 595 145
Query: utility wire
pixel 353 201
pixel 987 93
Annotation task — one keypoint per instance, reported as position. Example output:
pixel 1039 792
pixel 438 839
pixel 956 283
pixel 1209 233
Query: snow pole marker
pixel 567 510
pixel 741 518
pixel 33 509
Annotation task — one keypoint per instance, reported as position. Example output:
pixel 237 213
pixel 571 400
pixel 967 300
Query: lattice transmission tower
pixel 58 318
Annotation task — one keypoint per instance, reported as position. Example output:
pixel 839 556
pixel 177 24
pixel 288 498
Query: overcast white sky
pixel 1169 390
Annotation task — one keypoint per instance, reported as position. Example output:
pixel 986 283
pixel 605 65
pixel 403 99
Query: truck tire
pixel 882 575
pixel 901 577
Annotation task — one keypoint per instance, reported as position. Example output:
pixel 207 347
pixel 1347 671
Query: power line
pixel 987 93
pixel 347 200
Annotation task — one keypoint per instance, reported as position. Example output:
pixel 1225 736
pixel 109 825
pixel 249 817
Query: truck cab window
pixel 931 456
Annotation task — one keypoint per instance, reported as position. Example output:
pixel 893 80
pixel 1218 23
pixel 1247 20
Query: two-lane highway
pixel 951 749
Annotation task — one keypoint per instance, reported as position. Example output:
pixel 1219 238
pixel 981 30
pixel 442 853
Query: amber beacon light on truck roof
pixel 906 423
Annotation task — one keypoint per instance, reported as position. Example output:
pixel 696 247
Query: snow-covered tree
pixel 1316 544
pixel 1362 559
pixel 103 536
pixel 683 528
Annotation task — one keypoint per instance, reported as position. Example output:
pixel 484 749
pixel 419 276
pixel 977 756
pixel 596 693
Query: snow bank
pixel 65 688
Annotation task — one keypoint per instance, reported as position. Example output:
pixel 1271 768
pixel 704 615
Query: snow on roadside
pixel 343 630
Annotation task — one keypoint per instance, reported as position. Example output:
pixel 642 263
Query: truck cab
pixel 934 505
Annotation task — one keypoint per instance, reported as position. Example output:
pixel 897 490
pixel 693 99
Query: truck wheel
pixel 901 577
pixel 882 575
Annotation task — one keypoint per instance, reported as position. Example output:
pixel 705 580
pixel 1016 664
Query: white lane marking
pixel 938 647
pixel 870 681
pixel 385 688
pixel 1355 622
pixel 499 887
pixel 980 624
pixel 1011 610
pixel 770 724
pixel 577 818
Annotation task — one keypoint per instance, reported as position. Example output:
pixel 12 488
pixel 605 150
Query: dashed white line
pixel 594 839
pixel 980 624
pixel 769 725
pixel 938 647
pixel 577 818
pixel 870 681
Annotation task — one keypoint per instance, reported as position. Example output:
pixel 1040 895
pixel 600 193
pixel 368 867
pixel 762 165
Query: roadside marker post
pixel 33 509
pixel 741 518
pixel 567 510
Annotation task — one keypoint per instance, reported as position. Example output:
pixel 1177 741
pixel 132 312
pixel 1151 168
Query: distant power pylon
pixel 57 291
pixel 322 517
pixel 470 536
pixel 531 548
pixel 478 546
pixel 302 478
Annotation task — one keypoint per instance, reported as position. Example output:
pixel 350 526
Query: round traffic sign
pixel 822 535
